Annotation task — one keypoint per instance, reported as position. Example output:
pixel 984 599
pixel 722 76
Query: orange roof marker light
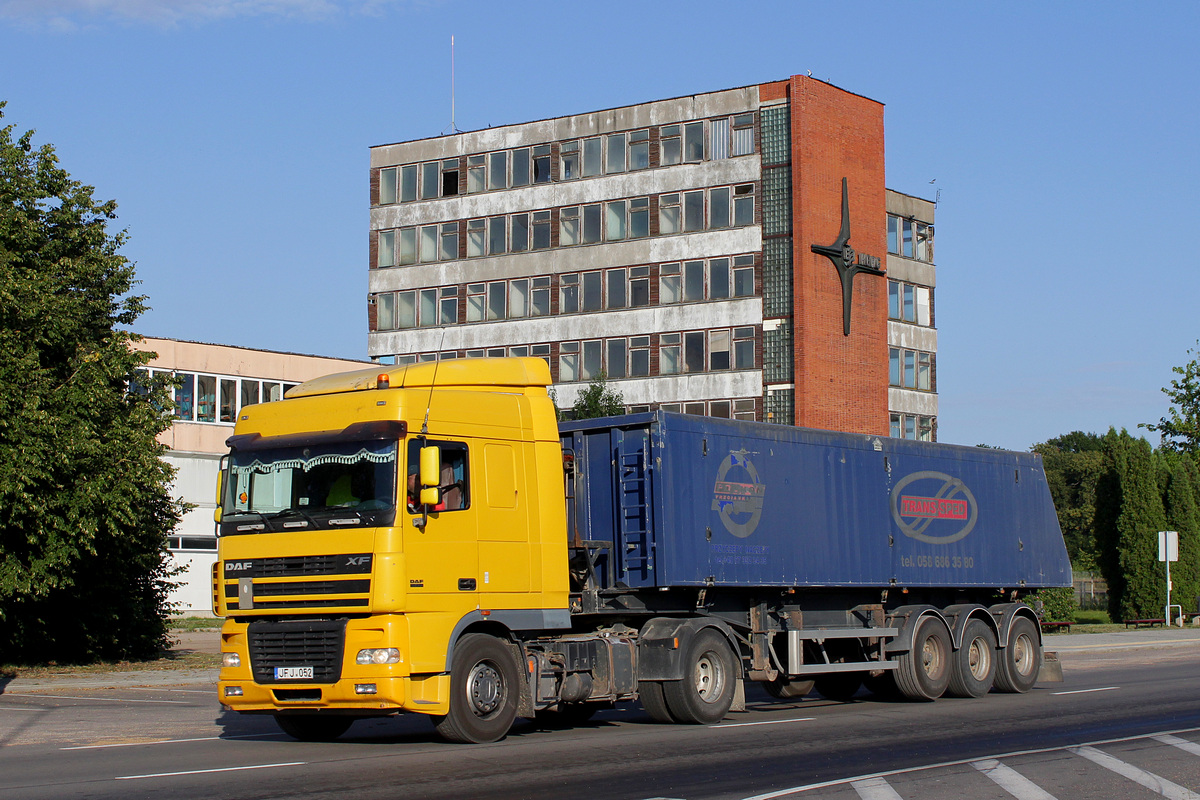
pixel 383 381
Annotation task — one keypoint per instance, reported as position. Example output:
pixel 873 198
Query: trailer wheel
pixel 1018 665
pixel 839 686
pixel 706 691
pixel 483 691
pixel 783 689
pixel 651 695
pixel 313 727
pixel 974 664
pixel 923 673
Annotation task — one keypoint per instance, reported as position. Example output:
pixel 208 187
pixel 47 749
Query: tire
pixel 973 666
pixel 706 691
pixel 567 715
pixel 923 673
pixel 839 686
pixel 783 689
pixel 651 695
pixel 1018 665
pixel 313 727
pixel 484 686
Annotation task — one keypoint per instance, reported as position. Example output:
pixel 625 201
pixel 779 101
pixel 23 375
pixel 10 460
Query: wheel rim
pixel 485 688
pixel 931 657
pixel 979 657
pixel 710 677
pixel 1023 655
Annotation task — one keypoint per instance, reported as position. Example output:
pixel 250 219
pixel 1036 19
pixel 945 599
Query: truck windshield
pixel 321 485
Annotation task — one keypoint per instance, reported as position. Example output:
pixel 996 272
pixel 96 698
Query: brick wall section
pixel 841 381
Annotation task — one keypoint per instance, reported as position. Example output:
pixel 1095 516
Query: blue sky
pixel 234 135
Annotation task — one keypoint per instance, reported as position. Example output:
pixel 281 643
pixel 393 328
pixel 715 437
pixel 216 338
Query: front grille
pixel 303 587
pixel 251 583
pixel 308 643
pixel 287 566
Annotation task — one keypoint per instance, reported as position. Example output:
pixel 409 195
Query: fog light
pixel 231 660
pixel 365 688
pixel 379 655
pixel 233 691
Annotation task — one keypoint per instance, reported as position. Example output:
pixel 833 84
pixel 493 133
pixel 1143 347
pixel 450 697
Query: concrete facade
pixel 669 245
pixel 204 419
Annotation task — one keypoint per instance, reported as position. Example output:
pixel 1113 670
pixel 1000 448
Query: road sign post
pixel 1168 551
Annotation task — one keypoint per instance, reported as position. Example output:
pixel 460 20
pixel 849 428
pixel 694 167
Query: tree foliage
pixel 85 506
pixel 598 400
pixel 1180 428
pixel 1073 465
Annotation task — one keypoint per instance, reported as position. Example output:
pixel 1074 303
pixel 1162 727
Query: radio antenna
pixel 432 382
pixel 453 128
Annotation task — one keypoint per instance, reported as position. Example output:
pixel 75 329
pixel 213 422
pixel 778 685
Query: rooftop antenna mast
pixel 453 128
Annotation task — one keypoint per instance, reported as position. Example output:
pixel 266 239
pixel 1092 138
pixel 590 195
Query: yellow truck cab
pixel 344 594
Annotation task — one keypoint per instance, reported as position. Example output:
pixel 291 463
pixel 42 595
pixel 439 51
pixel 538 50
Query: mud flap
pixel 1051 669
pixel 739 696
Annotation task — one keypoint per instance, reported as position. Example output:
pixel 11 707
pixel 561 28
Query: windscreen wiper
pixel 287 512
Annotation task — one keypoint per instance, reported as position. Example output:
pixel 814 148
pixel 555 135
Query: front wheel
pixel 484 682
pixel 313 727
pixel 923 673
pixel 1018 665
pixel 706 691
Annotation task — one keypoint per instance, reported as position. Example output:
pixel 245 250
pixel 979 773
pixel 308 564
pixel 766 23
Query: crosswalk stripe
pixel 1182 744
pixel 1154 783
pixel 875 789
pixel 1012 781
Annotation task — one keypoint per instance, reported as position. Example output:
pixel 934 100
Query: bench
pixel 1050 626
pixel 1150 623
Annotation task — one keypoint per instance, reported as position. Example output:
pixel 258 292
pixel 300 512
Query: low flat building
pixel 216 382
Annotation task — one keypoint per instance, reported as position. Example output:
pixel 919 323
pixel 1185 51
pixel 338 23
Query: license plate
pixel 293 673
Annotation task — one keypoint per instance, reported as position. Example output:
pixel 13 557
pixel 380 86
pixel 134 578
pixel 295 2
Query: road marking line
pixel 1154 783
pixel 808 787
pixel 1182 744
pixel 101 699
pixel 206 771
pixel 1012 781
pixel 767 722
pixel 875 789
pixel 5 707
pixel 170 741
pixel 1085 691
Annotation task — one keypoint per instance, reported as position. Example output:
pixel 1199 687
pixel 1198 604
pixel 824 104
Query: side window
pixel 453 489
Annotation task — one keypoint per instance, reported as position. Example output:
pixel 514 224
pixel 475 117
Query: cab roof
pixel 482 374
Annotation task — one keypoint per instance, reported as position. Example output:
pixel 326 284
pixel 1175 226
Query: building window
pixel 639 150
pixel 541 230
pixel 744 409
pixel 476 300
pixel 387 186
pixel 718 350
pixel 669 286
pixel 568 226
pixel 670 214
pixel 693 211
pixel 616 154
pixel 614 221
pixel 495 300
pixel 743 136
pixel 615 363
pixel 910 369
pixel 617 285
pixel 718 279
pixel 497 236
pixel 427 247
pixel 476 237
pixel 743 204
pixel 568 161
pixel 518 298
pixel 639 287
pixel 449 248
pixel 541 163
pixel 568 362
pixel 408 183
pixel 591 224
pixel 693 281
pixel 592 291
pixel 498 170
pixel 568 293
pixel 592 361
pixel 385 312
pixel 639 217
pixel 910 238
pixel 406 309
pixel 520 167
pixel 743 276
pixel 908 303
pixel 540 297
pixel 718 208
pixel 912 426
pixel 693 352
pixel 639 356
pixel 519 239
pixel 670 145
pixel 431 180
pixel 743 348
pixel 427 309
pixel 670 354
pixel 450 177
pixel 476 173
pixel 592 157
pixel 693 141
pixel 387 249
pixel 448 307
pixel 719 132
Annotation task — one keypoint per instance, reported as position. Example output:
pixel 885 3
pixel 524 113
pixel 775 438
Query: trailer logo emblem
pixel 738 497
pixel 945 499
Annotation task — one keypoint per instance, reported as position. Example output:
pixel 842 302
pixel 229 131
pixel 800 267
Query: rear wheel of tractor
pixel 313 727
pixel 839 686
pixel 1018 665
pixel 651 695
pixel 974 664
pixel 484 682
pixel 706 691
pixel 923 673
pixel 783 689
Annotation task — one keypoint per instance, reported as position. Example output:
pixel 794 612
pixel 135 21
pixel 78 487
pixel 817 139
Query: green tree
pixel 1129 514
pixel 85 506
pixel 1180 428
pixel 1181 502
pixel 598 400
pixel 1073 465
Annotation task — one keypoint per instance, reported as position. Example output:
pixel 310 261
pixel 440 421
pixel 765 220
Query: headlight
pixel 231 660
pixel 379 655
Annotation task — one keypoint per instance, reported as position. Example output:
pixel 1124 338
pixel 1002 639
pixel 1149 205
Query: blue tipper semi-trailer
pixel 704 552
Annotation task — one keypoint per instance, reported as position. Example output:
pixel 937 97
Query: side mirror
pixel 431 475
pixel 220 491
